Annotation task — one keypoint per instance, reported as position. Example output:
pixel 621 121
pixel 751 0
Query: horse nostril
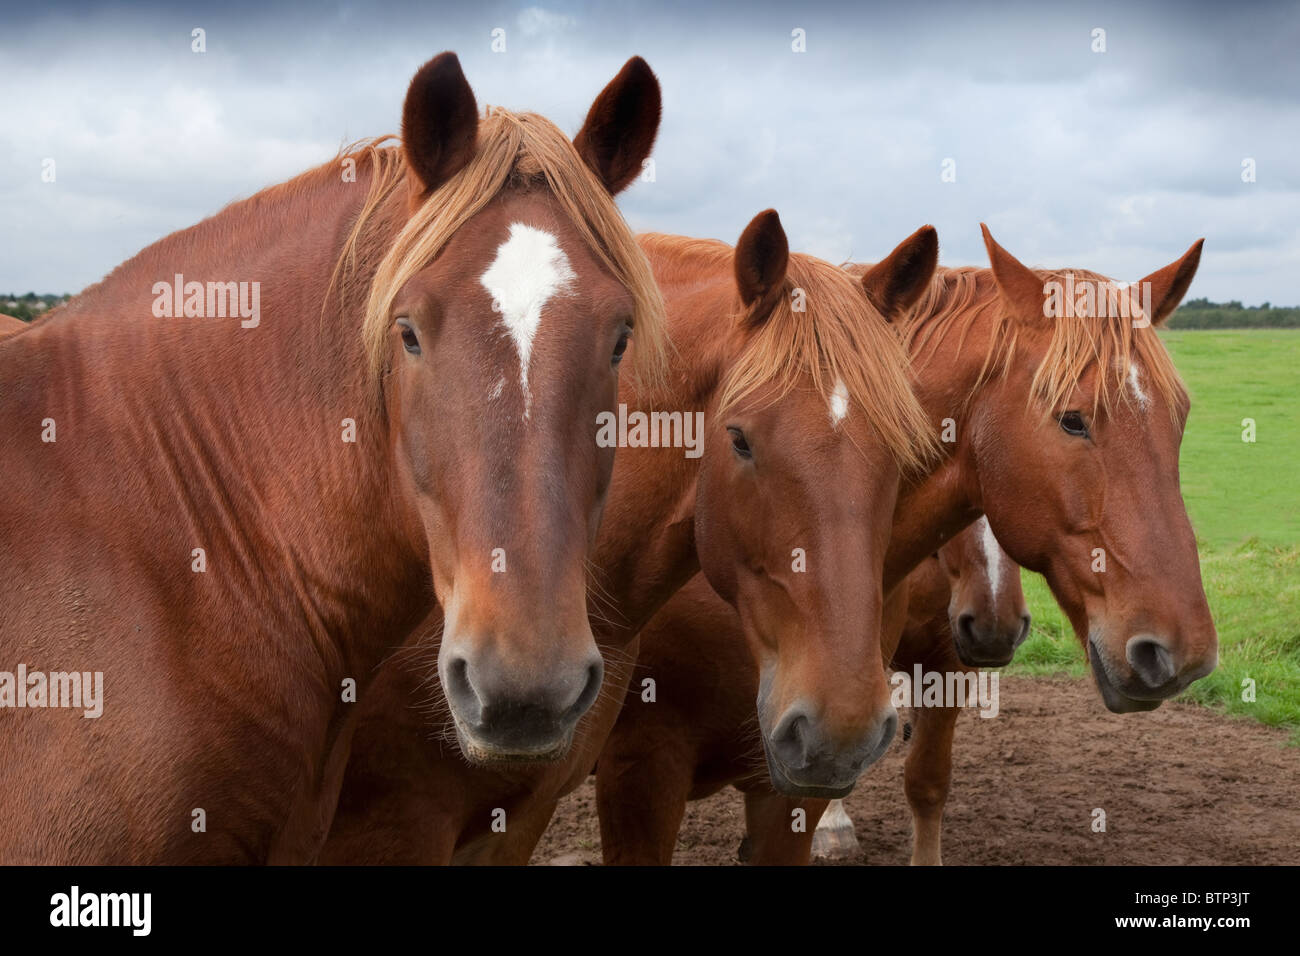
pixel 595 675
pixel 888 728
pixel 1025 622
pixel 966 627
pixel 460 689
pixel 790 740
pixel 1151 661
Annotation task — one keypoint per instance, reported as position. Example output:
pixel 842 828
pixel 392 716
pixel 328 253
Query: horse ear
pixel 439 122
pixel 762 257
pixel 621 126
pixel 1169 285
pixel 895 284
pixel 1016 281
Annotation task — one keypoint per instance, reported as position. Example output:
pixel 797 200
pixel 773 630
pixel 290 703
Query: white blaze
pixel 1135 386
pixel 839 403
pixel 529 268
pixel 992 557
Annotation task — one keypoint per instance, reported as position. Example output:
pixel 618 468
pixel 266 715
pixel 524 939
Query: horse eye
pixel 410 341
pixel 738 443
pixel 1072 423
pixel 621 347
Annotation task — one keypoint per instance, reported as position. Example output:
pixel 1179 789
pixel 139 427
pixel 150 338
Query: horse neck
pixel 645 550
pixel 934 507
pixel 235 437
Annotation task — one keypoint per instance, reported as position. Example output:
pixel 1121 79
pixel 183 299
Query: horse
pixel 9 325
pixel 808 422
pixel 965 609
pixel 1063 430
pixel 243 468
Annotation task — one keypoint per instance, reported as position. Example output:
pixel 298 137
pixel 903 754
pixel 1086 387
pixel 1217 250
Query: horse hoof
pixel 838 844
pixel 572 859
pixel 745 850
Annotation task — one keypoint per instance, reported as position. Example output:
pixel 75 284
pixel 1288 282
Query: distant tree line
pixel 31 305
pixel 1204 314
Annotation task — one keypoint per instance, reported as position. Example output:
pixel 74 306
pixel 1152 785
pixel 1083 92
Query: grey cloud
pixel 1113 161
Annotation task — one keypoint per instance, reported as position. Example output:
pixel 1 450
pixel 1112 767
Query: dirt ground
pixel 1179 785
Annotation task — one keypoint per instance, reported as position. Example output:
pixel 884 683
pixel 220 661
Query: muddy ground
pixel 1180 785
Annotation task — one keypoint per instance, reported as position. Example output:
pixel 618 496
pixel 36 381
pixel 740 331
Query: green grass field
pixel 1244 500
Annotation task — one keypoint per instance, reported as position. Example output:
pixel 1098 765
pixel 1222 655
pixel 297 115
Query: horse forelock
pixel 840 340
pixel 1108 345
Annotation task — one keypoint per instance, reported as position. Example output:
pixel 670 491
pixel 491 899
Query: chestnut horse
pixel 234 520
pixel 964 605
pixel 807 419
pixel 9 325
pixel 1065 433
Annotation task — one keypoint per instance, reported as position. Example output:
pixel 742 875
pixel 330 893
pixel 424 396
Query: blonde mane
pixel 513 149
pixel 1108 343
pixel 838 337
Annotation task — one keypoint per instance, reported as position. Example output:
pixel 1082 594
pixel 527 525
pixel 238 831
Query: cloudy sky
pixel 1112 160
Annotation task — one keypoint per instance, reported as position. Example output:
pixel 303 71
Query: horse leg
pixel 777 837
pixel 514 846
pixel 641 799
pixel 927 773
